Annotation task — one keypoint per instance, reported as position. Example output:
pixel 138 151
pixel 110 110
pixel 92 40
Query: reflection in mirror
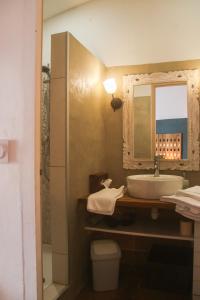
pixel 142 119
pixel 171 121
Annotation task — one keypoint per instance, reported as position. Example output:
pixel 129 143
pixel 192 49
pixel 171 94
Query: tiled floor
pixel 130 288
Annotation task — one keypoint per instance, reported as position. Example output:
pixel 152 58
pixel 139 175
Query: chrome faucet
pixel 157 165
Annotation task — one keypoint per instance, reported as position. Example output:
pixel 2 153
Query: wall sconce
pixel 110 87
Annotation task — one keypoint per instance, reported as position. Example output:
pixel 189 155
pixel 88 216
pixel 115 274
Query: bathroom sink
pixel 149 187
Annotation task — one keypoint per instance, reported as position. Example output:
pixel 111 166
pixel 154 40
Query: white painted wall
pixel 132 32
pixel 52 7
pixel 17 182
pixel 171 102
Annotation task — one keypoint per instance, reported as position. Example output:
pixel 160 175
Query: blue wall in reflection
pixel 174 126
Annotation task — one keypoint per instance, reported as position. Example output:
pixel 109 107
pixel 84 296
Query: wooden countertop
pixel 128 201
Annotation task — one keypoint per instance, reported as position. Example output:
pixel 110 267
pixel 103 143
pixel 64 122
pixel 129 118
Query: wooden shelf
pixel 145 228
pixel 128 201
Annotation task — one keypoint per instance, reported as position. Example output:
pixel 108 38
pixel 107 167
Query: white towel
pixel 181 200
pixel 193 192
pixel 190 214
pixel 187 202
pixel 103 202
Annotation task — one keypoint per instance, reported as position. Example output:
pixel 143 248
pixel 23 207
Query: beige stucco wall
pixel 86 144
pixel 113 121
pixel 86 115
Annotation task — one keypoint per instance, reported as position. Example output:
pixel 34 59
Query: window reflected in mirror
pixel 171 111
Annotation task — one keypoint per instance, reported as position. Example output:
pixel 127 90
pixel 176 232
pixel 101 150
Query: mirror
pixel 171 115
pixel 161 117
pixel 142 120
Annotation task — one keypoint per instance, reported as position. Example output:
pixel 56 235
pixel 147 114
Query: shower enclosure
pixel 44 172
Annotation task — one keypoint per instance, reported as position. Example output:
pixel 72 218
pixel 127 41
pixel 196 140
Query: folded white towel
pixel 193 192
pixel 103 202
pixel 181 200
pixel 190 214
pixel 187 202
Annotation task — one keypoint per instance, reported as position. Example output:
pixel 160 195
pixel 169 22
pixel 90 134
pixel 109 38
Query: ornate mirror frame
pixel 192 79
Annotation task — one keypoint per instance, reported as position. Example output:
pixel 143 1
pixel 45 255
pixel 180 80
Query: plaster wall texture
pixel 86 137
pixel 18 279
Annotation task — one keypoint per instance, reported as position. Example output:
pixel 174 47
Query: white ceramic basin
pixel 149 187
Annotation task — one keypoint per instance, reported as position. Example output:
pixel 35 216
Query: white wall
pixel 17 182
pixel 132 32
pixel 52 7
pixel 171 102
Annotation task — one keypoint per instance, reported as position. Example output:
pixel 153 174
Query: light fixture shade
pixel 110 85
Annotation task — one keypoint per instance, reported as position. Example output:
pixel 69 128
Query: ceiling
pixel 128 32
pixel 53 7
